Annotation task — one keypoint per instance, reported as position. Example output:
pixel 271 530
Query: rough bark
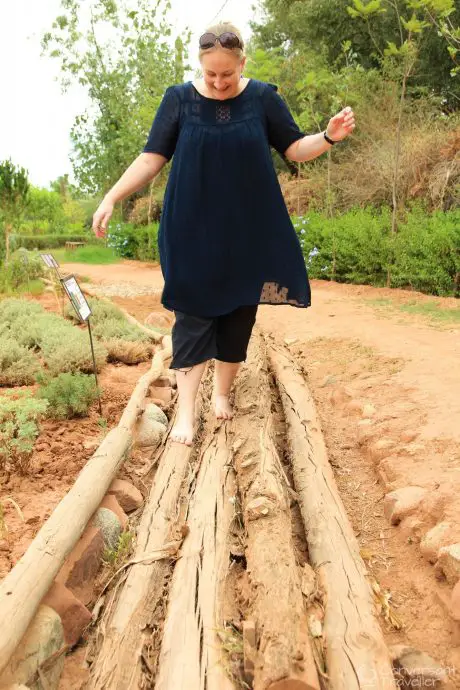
pixel 283 657
pixel 191 654
pixel 356 655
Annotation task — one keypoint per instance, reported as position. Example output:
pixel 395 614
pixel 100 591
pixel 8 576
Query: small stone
pixel 61 431
pixel 83 562
pixel 155 413
pixel 43 638
pixel 109 525
pixel 315 626
pixel 408 436
pixel 448 563
pixel 368 410
pixel 432 541
pixel 339 396
pixel 328 381
pixel 380 449
pixel 417 667
pixel 91 444
pixel 74 615
pixel 149 433
pixel 402 502
pixel 290 341
pixel 110 502
pixel 259 507
pixel 354 407
pixel 454 603
pixel 126 494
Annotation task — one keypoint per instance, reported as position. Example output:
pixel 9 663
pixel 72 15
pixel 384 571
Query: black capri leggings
pixel 196 339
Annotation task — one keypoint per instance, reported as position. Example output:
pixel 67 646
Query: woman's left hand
pixel 341 125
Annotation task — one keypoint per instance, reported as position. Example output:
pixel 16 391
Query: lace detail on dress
pixel 223 112
pixel 272 293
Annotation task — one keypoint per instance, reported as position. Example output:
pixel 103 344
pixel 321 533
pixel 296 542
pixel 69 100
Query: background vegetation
pixel 381 207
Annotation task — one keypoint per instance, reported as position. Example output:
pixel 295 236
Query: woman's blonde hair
pixel 219 29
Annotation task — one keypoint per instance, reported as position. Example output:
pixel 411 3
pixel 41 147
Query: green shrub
pixel 115 328
pixel 134 242
pixel 63 347
pixel 19 416
pixel 42 242
pixel 22 267
pixel 68 350
pixel 357 247
pixel 69 395
pixel 18 364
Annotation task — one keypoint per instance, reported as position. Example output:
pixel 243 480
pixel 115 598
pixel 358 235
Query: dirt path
pixel 386 384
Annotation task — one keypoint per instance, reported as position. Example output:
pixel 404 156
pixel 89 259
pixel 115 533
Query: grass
pixel 430 309
pixel 90 254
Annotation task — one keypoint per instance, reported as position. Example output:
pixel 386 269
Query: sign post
pixel 83 311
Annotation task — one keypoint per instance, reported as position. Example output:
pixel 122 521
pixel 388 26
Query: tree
pixel 324 25
pixel 399 58
pixel 14 190
pixel 121 51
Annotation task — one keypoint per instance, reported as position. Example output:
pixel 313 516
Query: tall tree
pixel 324 25
pixel 14 190
pixel 123 53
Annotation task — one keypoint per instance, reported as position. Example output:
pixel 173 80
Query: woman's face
pixel 222 72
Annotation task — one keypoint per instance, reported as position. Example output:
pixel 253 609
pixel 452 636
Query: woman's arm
pixel 143 169
pixel 313 145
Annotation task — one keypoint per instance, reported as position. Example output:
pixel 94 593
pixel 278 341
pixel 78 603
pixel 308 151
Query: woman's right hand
pixel 101 218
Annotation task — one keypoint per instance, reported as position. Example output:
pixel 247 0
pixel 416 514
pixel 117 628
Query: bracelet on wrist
pixel 329 141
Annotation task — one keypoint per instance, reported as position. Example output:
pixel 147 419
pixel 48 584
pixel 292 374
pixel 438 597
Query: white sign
pixel 77 298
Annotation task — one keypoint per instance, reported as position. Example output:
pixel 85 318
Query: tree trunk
pixel 22 590
pixel 356 654
pixel 282 655
pixel 191 652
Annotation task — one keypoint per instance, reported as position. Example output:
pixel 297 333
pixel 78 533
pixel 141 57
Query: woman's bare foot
pixel 182 431
pixel 222 407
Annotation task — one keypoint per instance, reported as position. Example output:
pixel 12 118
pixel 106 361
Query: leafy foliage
pixel 19 417
pixel 123 55
pixel 69 395
pixel 357 247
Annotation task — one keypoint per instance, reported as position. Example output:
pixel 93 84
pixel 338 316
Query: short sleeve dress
pixel 225 237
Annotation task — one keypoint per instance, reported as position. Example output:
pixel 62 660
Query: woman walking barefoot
pixel 226 240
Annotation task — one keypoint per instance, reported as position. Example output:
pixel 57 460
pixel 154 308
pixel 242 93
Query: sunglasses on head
pixel 227 40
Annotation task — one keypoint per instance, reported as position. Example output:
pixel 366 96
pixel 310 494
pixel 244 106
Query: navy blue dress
pixel 225 238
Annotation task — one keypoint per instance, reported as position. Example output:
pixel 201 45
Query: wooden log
pixel 191 653
pixel 356 655
pixel 27 583
pixel 283 655
pixel 123 656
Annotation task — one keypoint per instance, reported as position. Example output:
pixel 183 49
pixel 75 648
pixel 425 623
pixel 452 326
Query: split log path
pixel 268 589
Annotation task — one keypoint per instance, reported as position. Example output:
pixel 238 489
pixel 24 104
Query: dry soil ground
pixel 380 367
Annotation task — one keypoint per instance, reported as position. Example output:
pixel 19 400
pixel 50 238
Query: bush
pixel 63 347
pixel 22 266
pixel 115 328
pixel 134 242
pixel 68 350
pixel 19 416
pixel 357 247
pixel 140 212
pixel 18 365
pixel 69 395
pixel 41 242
